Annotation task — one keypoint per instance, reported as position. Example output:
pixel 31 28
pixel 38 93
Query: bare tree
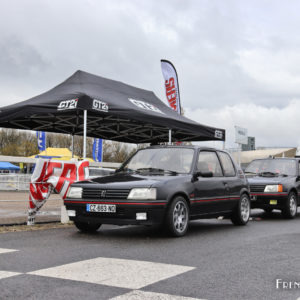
pixel 17 143
pixel 24 143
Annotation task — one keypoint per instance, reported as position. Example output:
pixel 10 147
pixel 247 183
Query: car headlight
pixel 75 192
pixel 273 188
pixel 142 193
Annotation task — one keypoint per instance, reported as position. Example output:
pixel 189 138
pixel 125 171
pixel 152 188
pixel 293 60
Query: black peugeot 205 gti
pixel 275 184
pixel 167 185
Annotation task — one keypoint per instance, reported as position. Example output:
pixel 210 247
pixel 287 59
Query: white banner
pixel 241 135
pixel 52 175
pixel 171 85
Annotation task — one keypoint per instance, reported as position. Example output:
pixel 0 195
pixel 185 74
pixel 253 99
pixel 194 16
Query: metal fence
pixel 14 182
pixel 20 182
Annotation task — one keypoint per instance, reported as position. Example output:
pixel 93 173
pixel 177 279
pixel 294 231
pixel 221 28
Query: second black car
pixel 275 184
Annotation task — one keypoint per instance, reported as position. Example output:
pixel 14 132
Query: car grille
pixel 96 193
pixel 257 188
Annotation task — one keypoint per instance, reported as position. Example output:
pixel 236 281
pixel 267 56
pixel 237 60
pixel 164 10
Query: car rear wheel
pixel 242 213
pixel 177 217
pixel 86 226
pixel 290 207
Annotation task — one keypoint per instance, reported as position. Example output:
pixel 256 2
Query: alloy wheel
pixel 180 216
pixel 293 205
pixel 245 209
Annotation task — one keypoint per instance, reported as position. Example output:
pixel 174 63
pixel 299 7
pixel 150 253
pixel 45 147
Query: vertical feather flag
pixel 171 85
pixel 41 140
pixel 98 150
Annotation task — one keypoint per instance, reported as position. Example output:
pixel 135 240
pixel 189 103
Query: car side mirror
pixel 206 174
pixel 203 174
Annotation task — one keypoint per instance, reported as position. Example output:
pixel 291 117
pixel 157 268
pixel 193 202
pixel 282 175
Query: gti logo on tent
pixel 100 105
pixel 218 134
pixel 68 104
pixel 145 105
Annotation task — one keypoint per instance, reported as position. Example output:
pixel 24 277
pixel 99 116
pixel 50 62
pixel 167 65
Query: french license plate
pixel 273 202
pixel 106 208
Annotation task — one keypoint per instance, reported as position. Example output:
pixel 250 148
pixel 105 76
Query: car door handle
pixel 226 186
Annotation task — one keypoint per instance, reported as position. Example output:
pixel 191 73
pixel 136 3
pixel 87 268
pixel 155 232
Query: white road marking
pixel 2 250
pixel 5 274
pixel 137 295
pixel 131 274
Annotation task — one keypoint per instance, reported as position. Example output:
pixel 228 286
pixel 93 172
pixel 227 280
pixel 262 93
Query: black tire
pixel 241 214
pixel 86 226
pixel 177 217
pixel 290 206
pixel 268 210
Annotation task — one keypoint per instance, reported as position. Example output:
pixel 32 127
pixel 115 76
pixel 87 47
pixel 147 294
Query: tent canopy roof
pixel 58 154
pixel 116 111
pixel 8 166
pixel 54 152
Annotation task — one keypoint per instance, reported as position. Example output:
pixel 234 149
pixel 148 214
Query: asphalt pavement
pixel 215 260
pixel 14 208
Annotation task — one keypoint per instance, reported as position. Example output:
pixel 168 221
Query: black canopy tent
pixel 116 111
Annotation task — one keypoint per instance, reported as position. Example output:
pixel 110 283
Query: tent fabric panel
pixel 60 110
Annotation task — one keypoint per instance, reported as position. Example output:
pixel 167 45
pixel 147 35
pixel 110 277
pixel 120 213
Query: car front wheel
pixel 86 226
pixel 242 213
pixel 177 217
pixel 290 207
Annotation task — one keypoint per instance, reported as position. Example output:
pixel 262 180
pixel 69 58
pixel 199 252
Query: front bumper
pixel 268 200
pixel 125 212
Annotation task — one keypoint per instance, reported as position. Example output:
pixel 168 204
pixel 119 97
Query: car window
pixel 275 166
pixel 173 159
pixel 209 162
pixel 227 164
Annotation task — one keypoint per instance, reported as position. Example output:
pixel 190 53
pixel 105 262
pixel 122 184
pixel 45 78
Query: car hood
pixel 128 181
pixel 260 180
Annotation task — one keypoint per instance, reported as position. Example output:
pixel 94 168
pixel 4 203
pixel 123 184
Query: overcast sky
pixel 238 62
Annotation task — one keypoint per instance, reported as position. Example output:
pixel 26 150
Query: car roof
pixel 277 158
pixel 183 146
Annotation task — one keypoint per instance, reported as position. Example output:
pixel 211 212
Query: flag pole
pixel 84 132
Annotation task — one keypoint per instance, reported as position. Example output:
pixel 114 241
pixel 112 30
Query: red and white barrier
pixel 52 175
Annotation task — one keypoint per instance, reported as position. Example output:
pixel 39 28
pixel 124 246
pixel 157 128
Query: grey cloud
pixel 19 59
pixel 45 42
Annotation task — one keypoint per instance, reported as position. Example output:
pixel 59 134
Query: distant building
pixel 245 157
pixel 251 144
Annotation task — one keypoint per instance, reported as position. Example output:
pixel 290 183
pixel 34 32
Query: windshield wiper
pixel 156 170
pixel 267 173
pixel 171 172
pixel 284 175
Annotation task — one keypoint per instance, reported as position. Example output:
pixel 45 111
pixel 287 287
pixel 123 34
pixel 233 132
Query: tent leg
pixel 240 153
pixel 84 132
pixel 72 145
pixel 170 136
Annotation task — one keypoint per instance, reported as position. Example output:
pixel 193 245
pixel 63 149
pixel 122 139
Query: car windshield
pixel 273 167
pixel 172 160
